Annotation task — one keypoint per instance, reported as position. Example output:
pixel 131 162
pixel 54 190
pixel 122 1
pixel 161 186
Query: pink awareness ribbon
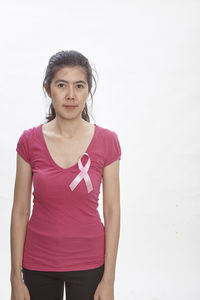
pixel 82 174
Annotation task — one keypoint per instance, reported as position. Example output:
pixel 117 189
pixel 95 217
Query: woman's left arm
pixel 111 212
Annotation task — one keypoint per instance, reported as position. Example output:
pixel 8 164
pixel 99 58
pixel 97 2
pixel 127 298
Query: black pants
pixel 79 285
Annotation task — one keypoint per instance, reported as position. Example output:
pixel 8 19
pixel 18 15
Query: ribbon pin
pixel 82 175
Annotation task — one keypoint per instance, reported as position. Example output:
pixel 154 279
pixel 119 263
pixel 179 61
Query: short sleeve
pixel 112 148
pixel 23 147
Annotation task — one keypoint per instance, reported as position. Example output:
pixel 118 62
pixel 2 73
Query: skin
pixel 69 123
pixel 68 126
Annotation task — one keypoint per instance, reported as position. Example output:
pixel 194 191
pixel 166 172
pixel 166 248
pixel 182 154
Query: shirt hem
pixel 64 269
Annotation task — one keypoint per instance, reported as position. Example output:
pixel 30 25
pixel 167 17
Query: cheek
pixel 55 96
pixel 58 98
pixel 86 96
pixel 83 102
pixel 83 97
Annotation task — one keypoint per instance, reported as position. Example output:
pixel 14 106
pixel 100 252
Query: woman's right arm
pixel 19 218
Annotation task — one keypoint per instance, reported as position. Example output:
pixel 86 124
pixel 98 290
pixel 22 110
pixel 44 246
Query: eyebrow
pixel 62 80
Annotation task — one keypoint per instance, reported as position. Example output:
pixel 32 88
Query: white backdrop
pixel 146 54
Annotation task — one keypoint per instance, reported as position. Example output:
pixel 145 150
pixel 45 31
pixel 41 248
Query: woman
pixel 67 158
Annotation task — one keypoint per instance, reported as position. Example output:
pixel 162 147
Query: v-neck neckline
pixel 51 158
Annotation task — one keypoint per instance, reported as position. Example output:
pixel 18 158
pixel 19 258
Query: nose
pixel 70 93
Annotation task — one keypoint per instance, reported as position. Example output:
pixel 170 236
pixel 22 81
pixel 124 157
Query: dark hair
pixel 69 58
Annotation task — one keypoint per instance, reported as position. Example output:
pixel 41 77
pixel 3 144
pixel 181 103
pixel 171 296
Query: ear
pixel 47 90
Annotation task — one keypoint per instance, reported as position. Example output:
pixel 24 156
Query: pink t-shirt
pixel 65 232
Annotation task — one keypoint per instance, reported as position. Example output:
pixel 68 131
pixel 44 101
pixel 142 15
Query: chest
pixel 66 153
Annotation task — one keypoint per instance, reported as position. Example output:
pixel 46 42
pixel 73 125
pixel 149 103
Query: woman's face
pixel 69 87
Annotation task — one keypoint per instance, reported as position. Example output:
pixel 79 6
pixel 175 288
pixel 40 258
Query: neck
pixel 68 128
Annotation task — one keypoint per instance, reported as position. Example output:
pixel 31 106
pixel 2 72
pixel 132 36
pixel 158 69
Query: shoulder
pixel 107 133
pixel 30 132
pixel 27 136
pixel 25 142
pixel 108 140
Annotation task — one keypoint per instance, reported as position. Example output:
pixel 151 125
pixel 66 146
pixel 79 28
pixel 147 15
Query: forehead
pixel 70 73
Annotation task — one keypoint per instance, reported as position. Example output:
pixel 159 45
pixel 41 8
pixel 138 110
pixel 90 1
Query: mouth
pixel 70 106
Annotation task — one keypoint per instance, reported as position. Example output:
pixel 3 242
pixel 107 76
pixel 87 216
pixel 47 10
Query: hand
pixel 19 291
pixel 104 291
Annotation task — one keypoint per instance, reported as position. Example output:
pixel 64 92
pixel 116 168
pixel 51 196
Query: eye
pixel 60 84
pixel 80 85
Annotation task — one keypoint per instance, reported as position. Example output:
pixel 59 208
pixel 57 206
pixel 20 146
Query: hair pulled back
pixel 68 58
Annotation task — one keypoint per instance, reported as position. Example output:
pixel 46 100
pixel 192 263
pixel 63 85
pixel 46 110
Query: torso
pixel 66 152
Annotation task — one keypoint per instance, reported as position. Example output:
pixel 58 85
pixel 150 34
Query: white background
pixel 146 54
